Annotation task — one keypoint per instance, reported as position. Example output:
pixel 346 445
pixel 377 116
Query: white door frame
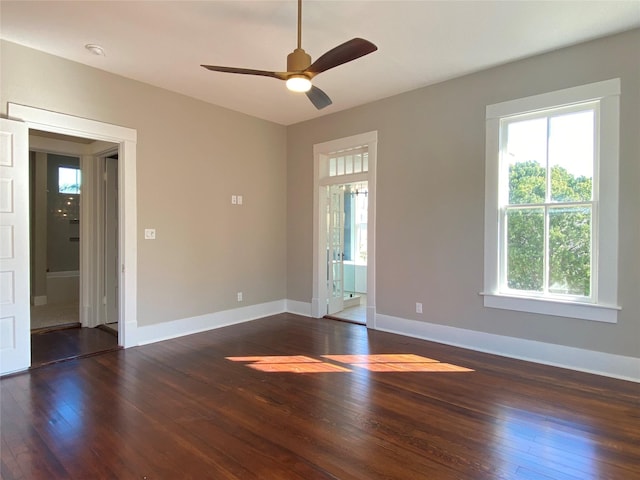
pixel 92 274
pixel 126 139
pixel 109 170
pixel 321 181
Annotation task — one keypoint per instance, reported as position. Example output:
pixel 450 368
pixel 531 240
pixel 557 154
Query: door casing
pixel 321 183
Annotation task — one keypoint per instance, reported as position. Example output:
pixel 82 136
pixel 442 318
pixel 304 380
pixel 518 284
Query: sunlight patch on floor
pixel 289 364
pixel 401 362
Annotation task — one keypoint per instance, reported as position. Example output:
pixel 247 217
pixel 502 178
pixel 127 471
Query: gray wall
pixel 38 223
pixel 191 157
pixel 430 195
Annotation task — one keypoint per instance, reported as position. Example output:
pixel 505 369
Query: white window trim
pixel 605 308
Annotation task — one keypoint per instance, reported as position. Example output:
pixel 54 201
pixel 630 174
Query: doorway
pixel 344 229
pixel 54 192
pixel 15 347
pixel 347 243
pixel 68 176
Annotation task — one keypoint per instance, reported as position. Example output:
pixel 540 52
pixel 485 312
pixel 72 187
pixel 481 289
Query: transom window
pixel 347 162
pixel 551 203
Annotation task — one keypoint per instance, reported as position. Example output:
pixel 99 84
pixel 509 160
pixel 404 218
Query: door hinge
pixel 122 268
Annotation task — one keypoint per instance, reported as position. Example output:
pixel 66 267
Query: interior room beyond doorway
pixel 67 177
pixel 354 201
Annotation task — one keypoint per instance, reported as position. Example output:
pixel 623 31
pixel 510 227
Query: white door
pixel 111 239
pixel 15 341
pixel 335 248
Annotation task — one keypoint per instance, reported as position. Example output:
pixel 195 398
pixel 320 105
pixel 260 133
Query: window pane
pixel 570 250
pixel 525 249
pixel 337 282
pixel 348 164
pixel 332 167
pixel 357 163
pixel 526 155
pixel 69 180
pixel 361 219
pixel 571 156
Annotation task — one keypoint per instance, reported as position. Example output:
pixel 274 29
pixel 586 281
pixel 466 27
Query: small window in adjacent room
pixel 69 180
pixel 552 203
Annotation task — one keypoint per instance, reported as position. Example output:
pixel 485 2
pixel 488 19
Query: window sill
pixel 584 311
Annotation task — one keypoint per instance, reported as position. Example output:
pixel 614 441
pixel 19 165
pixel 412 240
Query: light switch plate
pixel 149 233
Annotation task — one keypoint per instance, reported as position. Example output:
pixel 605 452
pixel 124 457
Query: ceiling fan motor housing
pixel 298 60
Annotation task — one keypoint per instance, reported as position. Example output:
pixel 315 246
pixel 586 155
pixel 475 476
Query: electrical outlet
pixel 234 199
pixel 418 307
pixel 239 296
pixel 149 233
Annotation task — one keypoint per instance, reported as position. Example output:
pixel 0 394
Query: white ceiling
pixel 420 42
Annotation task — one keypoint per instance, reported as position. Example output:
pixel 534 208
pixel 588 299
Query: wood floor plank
pixel 221 405
pixel 50 346
pixel 29 453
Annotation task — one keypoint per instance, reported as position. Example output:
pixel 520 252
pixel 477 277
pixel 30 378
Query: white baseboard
pixel 186 326
pixel 39 300
pixel 318 307
pixel 299 308
pixel 607 364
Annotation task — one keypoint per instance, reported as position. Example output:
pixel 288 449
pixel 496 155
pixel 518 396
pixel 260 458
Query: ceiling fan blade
pixel 247 71
pixel 318 98
pixel 346 52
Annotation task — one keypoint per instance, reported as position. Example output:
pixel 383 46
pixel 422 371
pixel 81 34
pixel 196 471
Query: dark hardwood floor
pixel 288 397
pixel 51 345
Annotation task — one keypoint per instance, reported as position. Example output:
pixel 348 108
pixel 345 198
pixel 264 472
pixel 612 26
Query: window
pixel 551 203
pixel 69 180
pixel 546 202
pixel 356 207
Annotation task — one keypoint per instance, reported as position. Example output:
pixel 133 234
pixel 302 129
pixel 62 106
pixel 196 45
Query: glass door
pixel 335 248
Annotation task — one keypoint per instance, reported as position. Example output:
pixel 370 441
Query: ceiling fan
pixel 300 70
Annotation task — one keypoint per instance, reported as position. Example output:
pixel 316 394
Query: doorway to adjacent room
pixel 15 348
pixel 70 175
pixel 344 229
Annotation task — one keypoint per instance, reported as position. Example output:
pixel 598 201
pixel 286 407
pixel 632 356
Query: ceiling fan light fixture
pixel 300 69
pixel 299 83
